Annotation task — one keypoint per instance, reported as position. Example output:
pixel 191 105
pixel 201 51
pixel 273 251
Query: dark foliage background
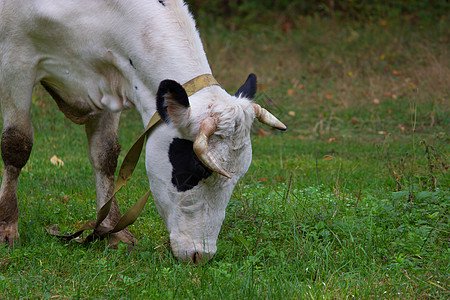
pixel 257 11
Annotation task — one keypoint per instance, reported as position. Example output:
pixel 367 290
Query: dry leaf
pixel 56 161
pixel 376 101
pixel 383 132
pixel 291 113
pixel 330 140
pixel 261 88
pixel 329 95
pixel 395 72
pixel 290 92
pixel 412 85
pixel 328 157
pixel 263 180
pixel 263 132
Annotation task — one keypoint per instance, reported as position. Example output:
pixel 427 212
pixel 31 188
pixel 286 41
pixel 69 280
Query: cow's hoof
pixel 9 234
pixel 123 236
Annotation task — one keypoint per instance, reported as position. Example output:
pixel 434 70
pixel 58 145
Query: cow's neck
pixel 167 47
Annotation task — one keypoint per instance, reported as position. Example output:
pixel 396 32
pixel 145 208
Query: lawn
pixel 352 201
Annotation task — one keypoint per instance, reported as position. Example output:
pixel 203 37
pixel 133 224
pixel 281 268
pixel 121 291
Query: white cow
pixel 97 57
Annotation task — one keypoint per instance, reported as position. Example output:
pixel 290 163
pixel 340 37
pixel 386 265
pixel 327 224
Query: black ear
pixel 248 89
pixel 172 101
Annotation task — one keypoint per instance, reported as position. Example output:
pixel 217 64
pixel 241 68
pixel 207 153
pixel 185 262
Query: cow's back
pixel 96 53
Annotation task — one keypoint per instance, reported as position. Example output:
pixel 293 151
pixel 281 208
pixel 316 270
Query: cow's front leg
pixel 104 150
pixel 16 147
pixel 16 144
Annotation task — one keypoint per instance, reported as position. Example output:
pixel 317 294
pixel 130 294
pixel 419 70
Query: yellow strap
pixel 194 85
pixel 128 165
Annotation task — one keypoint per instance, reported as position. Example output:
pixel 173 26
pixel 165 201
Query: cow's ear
pixel 248 89
pixel 172 102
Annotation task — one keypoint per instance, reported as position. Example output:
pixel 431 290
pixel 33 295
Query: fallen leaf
pixel 330 140
pixel 376 101
pixel 263 179
pixel 261 88
pixel 383 132
pixel 329 95
pixel 300 86
pixel 350 74
pixel 412 85
pixel 328 157
pixel 395 72
pixel 291 113
pixel 354 121
pixel 383 22
pixel 382 57
pixel 286 27
pixel 263 132
pixel 56 161
pixel 290 92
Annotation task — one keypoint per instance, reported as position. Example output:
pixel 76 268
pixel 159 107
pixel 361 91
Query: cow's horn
pixel 201 147
pixel 267 118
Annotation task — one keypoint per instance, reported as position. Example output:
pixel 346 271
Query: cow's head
pixel 196 158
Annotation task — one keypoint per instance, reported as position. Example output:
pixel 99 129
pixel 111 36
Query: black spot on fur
pixel 136 88
pixel 177 92
pixel 108 157
pixel 16 147
pixel 187 170
pixel 248 89
pixel 131 63
pixel 162 2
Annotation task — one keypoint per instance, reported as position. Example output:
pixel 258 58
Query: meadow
pixel 352 201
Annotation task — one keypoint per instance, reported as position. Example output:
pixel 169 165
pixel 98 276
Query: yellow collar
pixel 200 82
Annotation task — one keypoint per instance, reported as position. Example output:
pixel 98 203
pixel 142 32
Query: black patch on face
pixel 162 2
pixel 131 63
pixel 187 170
pixel 248 89
pixel 177 92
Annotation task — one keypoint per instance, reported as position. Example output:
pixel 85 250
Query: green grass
pixel 351 202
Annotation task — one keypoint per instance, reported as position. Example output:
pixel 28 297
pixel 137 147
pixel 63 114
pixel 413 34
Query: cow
pixel 98 57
